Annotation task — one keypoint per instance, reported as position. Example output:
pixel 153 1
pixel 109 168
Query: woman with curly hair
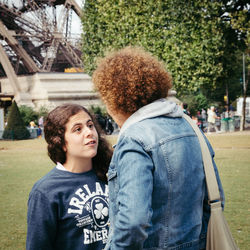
pixel 157 190
pixel 68 207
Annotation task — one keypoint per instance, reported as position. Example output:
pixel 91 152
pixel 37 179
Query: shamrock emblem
pixel 100 211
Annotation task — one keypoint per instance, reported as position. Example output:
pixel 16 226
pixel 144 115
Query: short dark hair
pixel 185 105
pixel 54 131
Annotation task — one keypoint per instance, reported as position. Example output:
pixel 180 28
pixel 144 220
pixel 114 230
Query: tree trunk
pixel 243 117
pixel 245 85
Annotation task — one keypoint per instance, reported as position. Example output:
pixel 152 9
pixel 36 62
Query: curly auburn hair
pixel 130 78
pixel 54 130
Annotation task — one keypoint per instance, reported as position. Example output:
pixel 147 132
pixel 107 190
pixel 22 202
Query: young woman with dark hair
pixel 68 207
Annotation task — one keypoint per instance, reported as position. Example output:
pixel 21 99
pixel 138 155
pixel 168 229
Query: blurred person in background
pixel 211 118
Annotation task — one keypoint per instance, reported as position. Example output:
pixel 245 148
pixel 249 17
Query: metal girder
pixel 76 7
pixel 58 40
pixel 76 60
pixel 34 36
pixel 9 70
pixel 13 43
pixel 17 16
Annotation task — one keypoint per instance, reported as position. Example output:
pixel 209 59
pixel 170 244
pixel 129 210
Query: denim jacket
pixel 157 189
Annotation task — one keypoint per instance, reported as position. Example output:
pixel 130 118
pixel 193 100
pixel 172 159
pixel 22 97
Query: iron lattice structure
pixel 36 37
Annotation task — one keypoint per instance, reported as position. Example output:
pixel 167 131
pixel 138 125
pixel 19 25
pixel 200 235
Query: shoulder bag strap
pixel 212 185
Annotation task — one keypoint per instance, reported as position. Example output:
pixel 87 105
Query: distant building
pixel 240 104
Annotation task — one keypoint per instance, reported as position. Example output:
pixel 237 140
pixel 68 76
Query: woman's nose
pixel 88 132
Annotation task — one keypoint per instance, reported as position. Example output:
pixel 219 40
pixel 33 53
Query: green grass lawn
pixel 232 156
pixel 22 163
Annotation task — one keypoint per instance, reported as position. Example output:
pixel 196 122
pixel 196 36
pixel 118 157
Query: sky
pixel 76 22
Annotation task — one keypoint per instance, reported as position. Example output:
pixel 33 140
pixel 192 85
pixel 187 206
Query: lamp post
pixel 243 117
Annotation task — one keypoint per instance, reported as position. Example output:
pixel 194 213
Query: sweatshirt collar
pixel 157 108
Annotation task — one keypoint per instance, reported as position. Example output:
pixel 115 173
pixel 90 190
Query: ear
pixel 64 148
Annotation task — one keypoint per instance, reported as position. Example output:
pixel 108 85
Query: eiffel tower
pixel 35 36
pixel 36 39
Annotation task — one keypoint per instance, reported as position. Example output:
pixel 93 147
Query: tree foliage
pixel 29 114
pixel 15 128
pixel 195 103
pixel 197 44
pixel 240 20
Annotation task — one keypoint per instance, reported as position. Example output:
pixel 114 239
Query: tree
pixel 240 20
pixel 43 111
pixel 15 128
pixel 28 114
pixel 193 38
pixel 195 103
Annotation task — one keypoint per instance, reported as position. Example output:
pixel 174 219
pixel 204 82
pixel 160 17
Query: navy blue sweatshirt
pixel 68 211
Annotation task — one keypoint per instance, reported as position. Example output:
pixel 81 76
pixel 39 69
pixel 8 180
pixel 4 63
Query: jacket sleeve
pixel 41 220
pixel 135 181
